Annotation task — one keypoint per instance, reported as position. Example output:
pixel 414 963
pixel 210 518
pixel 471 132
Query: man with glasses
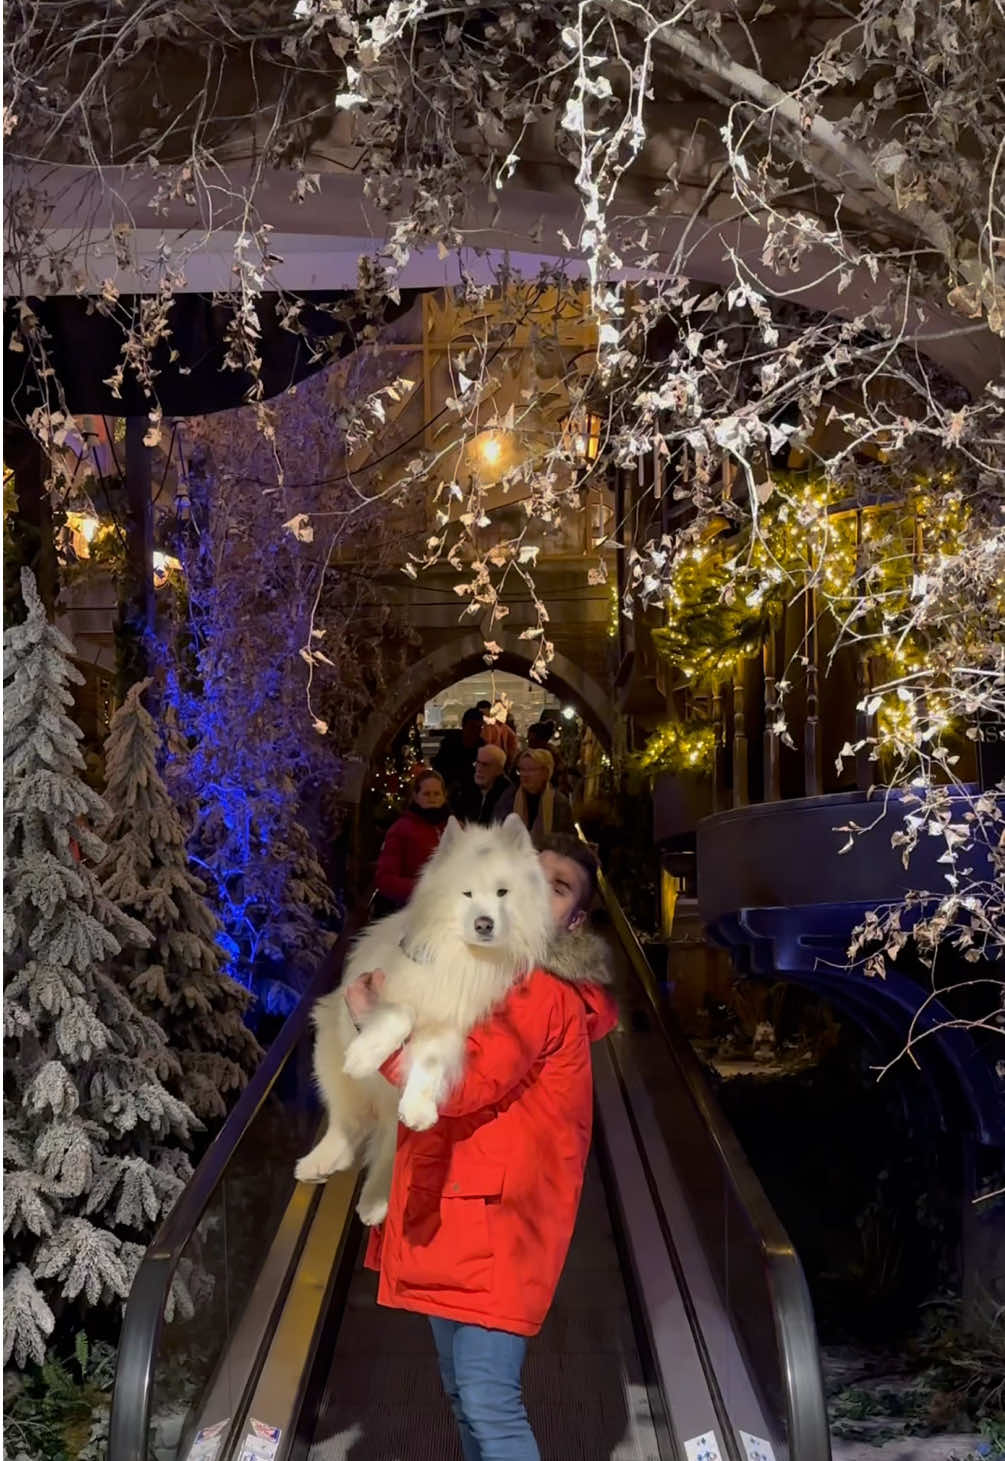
pixel 490 783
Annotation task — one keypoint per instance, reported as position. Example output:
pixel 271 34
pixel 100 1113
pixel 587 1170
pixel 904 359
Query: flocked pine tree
pixel 94 1151
pixel 146 872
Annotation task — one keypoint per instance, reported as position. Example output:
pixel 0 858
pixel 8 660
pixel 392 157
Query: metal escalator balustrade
pixel 218 1273
pixel 769 1344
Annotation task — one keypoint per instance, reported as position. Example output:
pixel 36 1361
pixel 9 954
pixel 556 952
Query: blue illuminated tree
pixel 94 1149
pixel 179 981
pixel 239 754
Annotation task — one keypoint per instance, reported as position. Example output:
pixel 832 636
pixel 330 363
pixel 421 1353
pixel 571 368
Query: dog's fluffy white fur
pixel 478 921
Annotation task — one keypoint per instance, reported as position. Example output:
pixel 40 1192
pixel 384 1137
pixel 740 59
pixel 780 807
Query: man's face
pixel 570 888
pixel 488 768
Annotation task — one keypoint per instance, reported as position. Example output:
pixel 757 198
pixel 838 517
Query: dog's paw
pixel 372 1210
pixel 334 1154
pixel 309 1169
pixel 417 1111
pixel 362 1058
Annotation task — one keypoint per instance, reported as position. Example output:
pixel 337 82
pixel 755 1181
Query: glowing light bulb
pixel 163 565
pixel 88 528
pixel 491 449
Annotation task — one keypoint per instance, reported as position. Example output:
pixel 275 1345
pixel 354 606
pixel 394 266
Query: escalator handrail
pixel 792 1309
pixel 145 1308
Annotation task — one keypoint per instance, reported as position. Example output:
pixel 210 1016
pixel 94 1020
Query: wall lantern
pixel 581 436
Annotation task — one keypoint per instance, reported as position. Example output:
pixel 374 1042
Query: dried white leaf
pixel 300 527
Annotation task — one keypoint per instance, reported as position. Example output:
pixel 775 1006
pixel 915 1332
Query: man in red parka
pixel 483 1204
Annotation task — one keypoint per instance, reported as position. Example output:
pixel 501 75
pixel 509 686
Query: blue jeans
pixel 481 1376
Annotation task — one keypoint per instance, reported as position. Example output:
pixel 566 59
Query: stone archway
pixel 464 656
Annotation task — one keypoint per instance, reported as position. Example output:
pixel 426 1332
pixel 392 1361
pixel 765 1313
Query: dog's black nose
pixel 483 926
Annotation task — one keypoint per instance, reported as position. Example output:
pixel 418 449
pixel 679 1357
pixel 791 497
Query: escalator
pixel 681 1331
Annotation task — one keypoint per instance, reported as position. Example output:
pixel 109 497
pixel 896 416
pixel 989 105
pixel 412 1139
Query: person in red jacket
pixel 483 1204
pixel 412 839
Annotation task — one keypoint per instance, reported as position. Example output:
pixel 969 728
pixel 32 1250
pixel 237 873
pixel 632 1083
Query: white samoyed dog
pixel 478 921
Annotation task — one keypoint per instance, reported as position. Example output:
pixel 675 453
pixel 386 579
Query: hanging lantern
pixel 581 436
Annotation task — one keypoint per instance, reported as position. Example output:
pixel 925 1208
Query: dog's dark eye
pixel 467 894
pixel 501 892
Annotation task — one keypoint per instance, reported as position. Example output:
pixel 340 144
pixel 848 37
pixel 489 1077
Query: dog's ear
pixel 515 833
pixel 450 831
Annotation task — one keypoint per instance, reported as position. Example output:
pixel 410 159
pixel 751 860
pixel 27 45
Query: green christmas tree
pixel 94 1155
pixel 179 981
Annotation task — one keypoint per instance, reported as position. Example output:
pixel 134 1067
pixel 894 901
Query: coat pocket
pixel 446 1238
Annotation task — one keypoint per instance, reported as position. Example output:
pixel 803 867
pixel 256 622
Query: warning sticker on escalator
pixel 261 1443
pixel 209 1441
pixel 703 1448
pixel 755 1449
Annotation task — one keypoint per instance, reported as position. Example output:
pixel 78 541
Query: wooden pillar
pixel 865 724
pixel 719 798
pixel 812 746
pixel 136 602
pixel 427 374
pixel 741 769
pixel 31 528
pixel 620 505
pixel 772 750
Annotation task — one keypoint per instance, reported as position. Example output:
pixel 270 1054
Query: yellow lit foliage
pixel 679 746
pixel 865 563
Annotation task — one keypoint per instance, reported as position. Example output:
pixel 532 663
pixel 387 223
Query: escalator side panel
pixel 737 1396
pixel 238 1369
pixel 678 1362
pixel 316 1397
pixel 752 1261
pixel 283 1378
pixel 663 1431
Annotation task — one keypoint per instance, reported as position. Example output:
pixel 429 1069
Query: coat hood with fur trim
pixel 579 957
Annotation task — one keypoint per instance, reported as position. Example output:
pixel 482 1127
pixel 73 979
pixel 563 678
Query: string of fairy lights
pixel 864 566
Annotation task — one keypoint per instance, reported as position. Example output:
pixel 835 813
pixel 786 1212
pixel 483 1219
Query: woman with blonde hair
pixel 543 810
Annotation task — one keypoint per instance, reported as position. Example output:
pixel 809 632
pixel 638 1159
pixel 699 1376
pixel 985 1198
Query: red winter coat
pixel 484 1203
pixel 408 846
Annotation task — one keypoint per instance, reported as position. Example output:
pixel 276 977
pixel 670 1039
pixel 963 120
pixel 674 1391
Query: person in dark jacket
pixel 541 737
pixel 491 783
pixel 543 810
pixel 455 758
pixel 412 840
pixel 498 732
